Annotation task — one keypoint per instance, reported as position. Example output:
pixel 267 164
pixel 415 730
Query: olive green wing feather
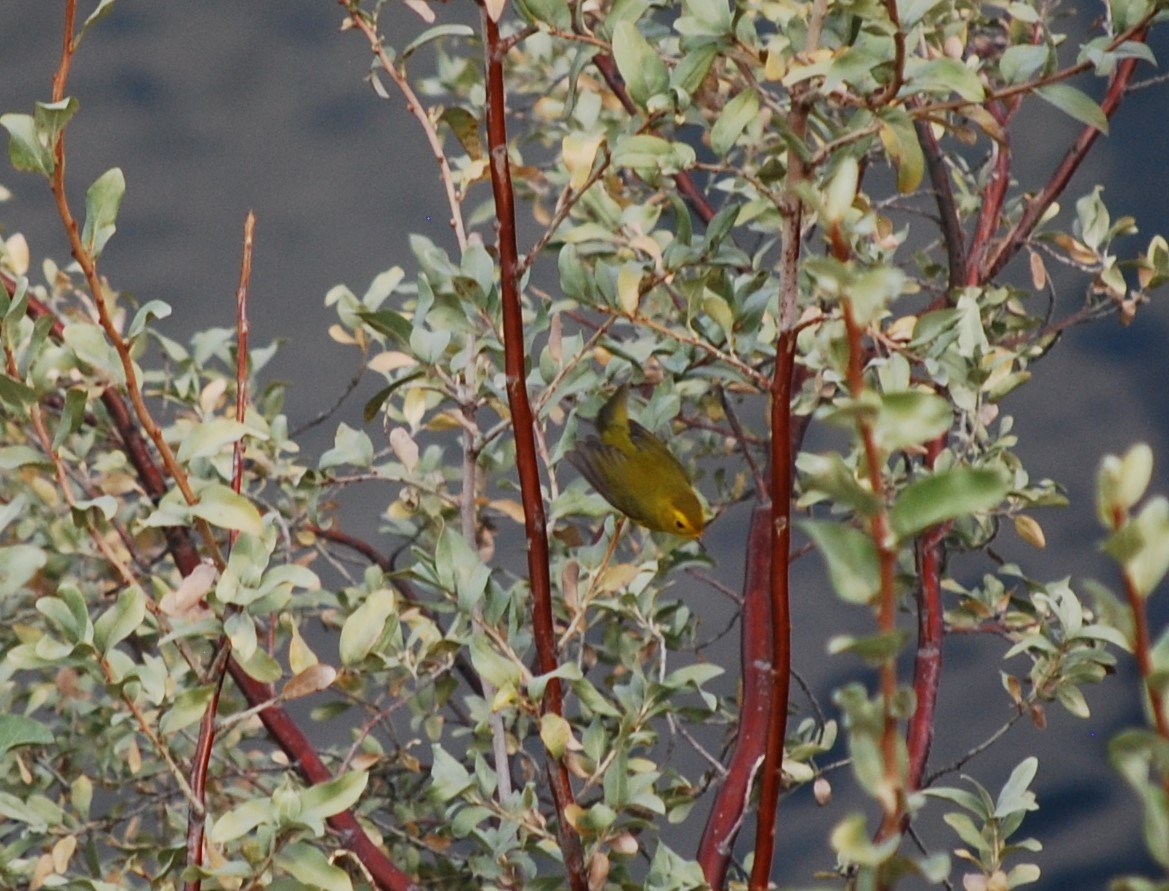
pixel 607 469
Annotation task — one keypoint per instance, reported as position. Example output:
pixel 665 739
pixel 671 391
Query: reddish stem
pixel 893 803
pixel 780 547
pixel 523 423
pixel 927 662
pixel 732 798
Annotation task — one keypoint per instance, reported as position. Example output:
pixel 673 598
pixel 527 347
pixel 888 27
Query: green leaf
pixel 72 415
pixel 69 613
pixel 1023 62
pixel 448 778
pixel 493 667
pixel 705 18
pixel 827 476
pixel 851 558
pixel 209 437
pixel 365 626
pixel 1141 546
pixel 16 394
pixel 910 417
pixel 120 621
pixel 649 155
pixel 554 13
pixel 874 649
pixel 943 76
pixel 154 309
pixel 350 446
pixel 389 323
pixel 18 564
pixel 736 115
pixel 1122 482
pixel 901 144
pixel 89 344
pixel 222 507
pixel 642 68
pixel 851 840
pixel 436 33
pixel 460 569
pixel 692 69
pixel 1076 104
pixel 241 820
pixel 102 201
pixel 1015 795
pixel 28 150
pixel 429 346
pixel 17 730
pixel 945 496
pixel 327 799
pixel 309 866
pixel 188 708
pixel 555 733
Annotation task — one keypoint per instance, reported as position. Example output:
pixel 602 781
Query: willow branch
pixel 927 662
pixel 535 521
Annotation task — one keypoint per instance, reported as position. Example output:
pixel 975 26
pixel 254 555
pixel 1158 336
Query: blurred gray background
pixel 212 108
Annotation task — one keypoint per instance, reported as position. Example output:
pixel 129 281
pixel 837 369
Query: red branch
pixel 523 423
pixel 927 662
pixel 730 803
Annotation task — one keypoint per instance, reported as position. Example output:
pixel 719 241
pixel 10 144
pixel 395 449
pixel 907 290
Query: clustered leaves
pixel 706 183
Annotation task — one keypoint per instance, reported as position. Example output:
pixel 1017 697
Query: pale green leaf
pixel 1076 104
pixel 102 201
pixel 222 507
pixel 851 558
pixel 946 496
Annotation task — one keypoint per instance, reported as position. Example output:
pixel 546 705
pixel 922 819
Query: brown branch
pixel 991 207
pixel 535 522
pixel 200 762
pixel 944 197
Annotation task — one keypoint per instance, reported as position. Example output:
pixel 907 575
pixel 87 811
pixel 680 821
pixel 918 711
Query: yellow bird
pixel 636 473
